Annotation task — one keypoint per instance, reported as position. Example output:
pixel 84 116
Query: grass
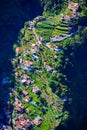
pixel 51 27
pixel 41 79
pixel 49 119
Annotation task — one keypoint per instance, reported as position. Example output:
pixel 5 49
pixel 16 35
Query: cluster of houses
pixel 73 7
pixel 33 23
pixel 53 47
pixel 27 65
pixel 34 48
pixel 48 67
pixel 20 121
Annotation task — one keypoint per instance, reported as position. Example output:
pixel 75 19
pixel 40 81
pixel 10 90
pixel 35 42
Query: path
pixel 39 42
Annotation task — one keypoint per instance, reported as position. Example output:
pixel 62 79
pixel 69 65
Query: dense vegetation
pixel 71 78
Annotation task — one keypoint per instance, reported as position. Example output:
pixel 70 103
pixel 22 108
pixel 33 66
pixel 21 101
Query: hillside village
pixel 31 103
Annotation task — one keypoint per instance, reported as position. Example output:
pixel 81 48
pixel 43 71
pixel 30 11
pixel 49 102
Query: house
pixel 18 50
pixel 53 47
pixel 28 110
pixel 18 102
pixel 35 57
pixel 25 76
pixel 34 48
pixel 23 81
pixel 28 82
pixel 21 61
pixel 49 68
pixel 73 6
pixel 31 25
pixel 27 98
pixel 28 66
pixel 45 63
pixel 49 46
pixel 19 109
pixel 29 63
pixel 55 57
pixel 39 18
pixel 29 69
pixel 25 93
pixel 37 121
pixel 22 123
pixel 17 74
pixel 36 90
pixel 41 39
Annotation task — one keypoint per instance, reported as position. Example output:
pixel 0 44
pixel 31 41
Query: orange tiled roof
pixel 27 98
pixel 18 50
pixel 29 63
pixel 37 122
pixel 25 92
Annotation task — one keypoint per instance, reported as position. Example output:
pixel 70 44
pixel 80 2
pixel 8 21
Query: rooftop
pixel 24 92
pixel 37 121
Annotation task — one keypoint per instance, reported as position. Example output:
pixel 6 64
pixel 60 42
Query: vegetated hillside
pixel 53 6
pixel 75 69
pixel 12 16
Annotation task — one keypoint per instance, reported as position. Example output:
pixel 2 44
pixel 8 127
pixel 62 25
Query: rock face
pixel 13 14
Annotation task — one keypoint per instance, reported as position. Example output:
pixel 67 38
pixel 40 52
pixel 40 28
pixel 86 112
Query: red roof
pixel 25 93
pixel 29 63
pixel 37 122
pixel 18 50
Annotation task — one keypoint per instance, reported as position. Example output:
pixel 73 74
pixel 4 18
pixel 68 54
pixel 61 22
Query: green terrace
pixel 49 28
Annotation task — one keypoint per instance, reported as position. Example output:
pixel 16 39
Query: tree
pixel 53 84
pixel 27 35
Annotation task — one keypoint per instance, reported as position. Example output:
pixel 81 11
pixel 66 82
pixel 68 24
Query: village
pixel 32 104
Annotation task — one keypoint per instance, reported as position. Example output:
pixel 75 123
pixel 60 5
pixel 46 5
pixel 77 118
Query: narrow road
pixel 39 42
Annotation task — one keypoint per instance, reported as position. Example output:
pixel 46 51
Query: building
pixel 19 110
pixel 34 48
pixel 18 102
pixel 73 6
pixel 25 93
pixel 35 57
pixel 37 121
pixel 18 50
pixel 17 74
pixel 29 63
pixel 36 90
pixel 27 98
pixel 22 123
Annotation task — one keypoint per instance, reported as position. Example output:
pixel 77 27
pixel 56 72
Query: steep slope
pixel 13 14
